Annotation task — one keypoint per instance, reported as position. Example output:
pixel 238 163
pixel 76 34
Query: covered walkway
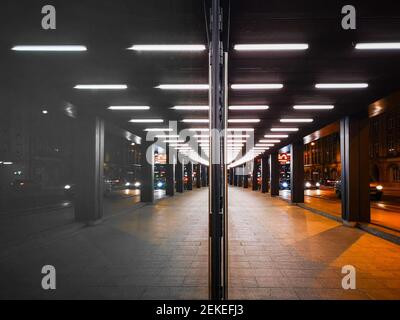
pixel 159 251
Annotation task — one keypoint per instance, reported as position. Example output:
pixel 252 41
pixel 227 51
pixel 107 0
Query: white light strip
pixel 264 107
pixel 258 86
pixel 269 141
pixel 264 145
pixel 55 48
pixel 166 136
pixel 296 120
pixel 313 107
pixel 201 136
pixel 101 86
pixel 195 120
pixel 378 46
pixel 276 136
pixel 271 47
pixel 284 129
pixel 341 85
pixel 158 129
pixel 191 108
pixel 238 136
pixel 199 129
pixel 168 47
pixel 128 108
pixel 174 141
pixel 240 129
pixel 183 86
pixel 146 120
pixel 244 120
pixel 236 141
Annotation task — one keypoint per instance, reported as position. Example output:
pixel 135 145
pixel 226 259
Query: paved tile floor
pixel 277 251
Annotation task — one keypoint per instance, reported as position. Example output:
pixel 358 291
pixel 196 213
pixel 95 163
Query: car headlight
pixel 67 187
pixel 137 184
pixel 379 188
pixel 308 185
pixel 160 184
pixel 127 184
pixel 317 184
pixel 285 184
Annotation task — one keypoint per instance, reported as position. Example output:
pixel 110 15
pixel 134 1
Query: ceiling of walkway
pixel 108 28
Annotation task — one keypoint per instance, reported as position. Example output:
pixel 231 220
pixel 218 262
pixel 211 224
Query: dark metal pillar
pixel 254 182
pixel 170 171
pixel 264 174
pixel 217 173
pixel 235 177
pixel 274 174
pixel 198 175
pixel 297 172
pixel 189 170
pixel 203 176
pixel 354 145
pixel 245 177
pixel 88 168
pixel 179 175
pixel 147 172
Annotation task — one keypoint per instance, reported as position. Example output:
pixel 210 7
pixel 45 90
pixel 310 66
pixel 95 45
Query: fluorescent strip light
pixel 7 163
pixel 168 47
pixel 204 144
pixel 101 86
pixel 240 129
pixel 192 108
pixel 296 120
pixel 264 145
pixel 128 108
pixel 276 136
pixel 199 129
pixel 158 129
pixel 146 120
pixel 244 120
pixel 179 145
pixel 378 45
pixel 313 107
pixel 284 129
pixel 195 120
pixel 270 141
pixel 341 85
pixel 259 86
pixel 201 136
pixel 166 136
pixel 238 136
pixel 264 107
pixel 271 47
pixel 61 48
pixel 183 86
pixel 203 141
pixel 174 141
pixel 237 141
pixel 235 145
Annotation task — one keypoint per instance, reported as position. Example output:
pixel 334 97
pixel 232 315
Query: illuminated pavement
pixel 385 212
pixel 277 251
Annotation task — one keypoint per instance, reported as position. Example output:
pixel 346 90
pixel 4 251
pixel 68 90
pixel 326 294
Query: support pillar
pixel 354 145
pixel 189 170
pixel 245 177
pixel 198 175
pixel 147 172
pixel 235 178
pixel 204 176
pixel 170 172
pixel 274 174
pixel 179 175
pixel 254 183
pixel 88 168
pixel 297 172
pixel 264 174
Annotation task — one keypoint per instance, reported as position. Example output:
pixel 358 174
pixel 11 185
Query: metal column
pixel 297 172
pixel 354 145
pixel 88 168
pixel 198 175
pixel 189 167
pixel 179 174
pixel 147 172
pixel 274 174
pixel 264 174
pixel 217 173
pixel 254 183
pixel 170 171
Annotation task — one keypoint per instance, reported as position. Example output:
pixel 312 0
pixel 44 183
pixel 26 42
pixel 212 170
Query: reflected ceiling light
pixel 168 47
pixel 276 136
pixel 146 120
pixel 341 85
pixel 101 86
pixel 313 107
pixel 128 108
pixel 269 141
pixel 183 86
pixel 167 135
pixel 305 120
pixel 378 46
pixel 199 129
pixel 195 120
pixel 258 86
pixel 244 120
pixel 238 136
pixel 284 129
pixel 191 108
pixel 260 107
pixel 158 129
pixel 271 47
pixel 55 48
pixel 240 129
